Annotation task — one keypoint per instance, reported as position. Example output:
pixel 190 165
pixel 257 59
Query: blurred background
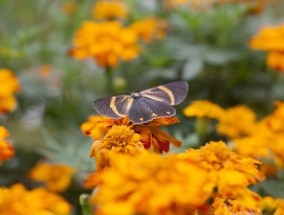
pixel 203 42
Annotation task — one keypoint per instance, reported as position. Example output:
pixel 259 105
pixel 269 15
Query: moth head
pixel 135 95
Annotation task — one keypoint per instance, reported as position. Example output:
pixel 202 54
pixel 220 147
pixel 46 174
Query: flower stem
pixel 85 204
pixel 109 84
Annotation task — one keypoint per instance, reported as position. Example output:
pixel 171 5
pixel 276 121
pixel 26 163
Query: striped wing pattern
pixel 149 104
pixel 115 107
pixel 172 93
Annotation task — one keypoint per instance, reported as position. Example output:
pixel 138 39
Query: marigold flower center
pixel 119 135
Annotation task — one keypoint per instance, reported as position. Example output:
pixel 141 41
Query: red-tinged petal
pixel 163 136
pixel 145 136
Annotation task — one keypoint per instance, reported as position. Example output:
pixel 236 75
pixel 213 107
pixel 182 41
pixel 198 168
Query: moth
pixel 144 106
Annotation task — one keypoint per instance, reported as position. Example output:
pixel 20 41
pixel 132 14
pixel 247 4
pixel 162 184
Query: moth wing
pixel 172 93
pixel 115 107
pixel 144 110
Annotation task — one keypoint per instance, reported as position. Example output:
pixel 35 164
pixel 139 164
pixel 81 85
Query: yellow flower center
pixel 118 136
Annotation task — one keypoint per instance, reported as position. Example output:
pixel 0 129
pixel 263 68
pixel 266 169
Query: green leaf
pixel 220 57
pixel 192 68
pixel 273 187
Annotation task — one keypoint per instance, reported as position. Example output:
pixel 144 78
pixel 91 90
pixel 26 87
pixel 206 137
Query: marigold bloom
pixel 267 131
pixel 256 6
pixel 249 204
pixel 106 42
pixel 237 121
pixel 275 60
pixel 253 146
pixel 270 205
pixel 233 171
pixel 197 5
pixel 204 108
pixel 251 138
pixel 109 9
pixel 232 122
pixel 125 137
pixel 152 184
pixel 56 177
pixel 17 200
pixel 150 28
pixel 9 84
pixel 6 150
pixel 167 185
pixel 271 39
pixel 69 8
pixel 120 138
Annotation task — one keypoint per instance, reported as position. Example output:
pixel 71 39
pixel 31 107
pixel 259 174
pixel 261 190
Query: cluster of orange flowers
pixel 179 184
pixel 56 177
pixel 17 200
pixel 110 9
pixel 6 150
pixel 259 139
pixel 209 180
pixel 271 39
pixel 149 29
pixel 200 5
pixel 9 85
pixel 108 41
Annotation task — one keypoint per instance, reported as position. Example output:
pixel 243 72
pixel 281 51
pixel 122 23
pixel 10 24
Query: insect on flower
pixel 146 105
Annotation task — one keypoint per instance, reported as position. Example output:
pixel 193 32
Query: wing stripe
pixel 153 97
pixel 169 93
pixel 129 103
pixel 113 107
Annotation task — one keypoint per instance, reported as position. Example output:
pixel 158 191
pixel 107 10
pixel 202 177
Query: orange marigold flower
pixel 274 122
pixel 109 9
pixel 249 204
pixel 9 84
pixel 17 200
pixel 152 184
pixel 45 70
pixel 69 8
pixel 268 130
pixel 150 28
pixel 270 205
pixel 196 5
pixel 204 108
pixel 106 42
pixel 253 146
pixel 6 150
pixel 170 4
pixel 269 38
pixel 120 138
pixel 125 137
pixel 232 122
pixel 233 171
pixel 166 185
pixel 255 6
pixel 56 177
pixel 237 121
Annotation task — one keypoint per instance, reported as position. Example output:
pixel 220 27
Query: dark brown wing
pixel 115 107
pixel 144 110
pixel 172 93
